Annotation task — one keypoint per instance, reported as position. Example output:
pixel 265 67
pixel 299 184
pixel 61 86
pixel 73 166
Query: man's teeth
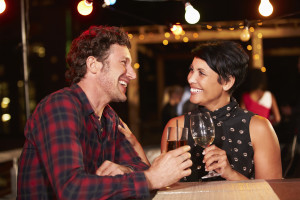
pixel 194 90
pixel 123 83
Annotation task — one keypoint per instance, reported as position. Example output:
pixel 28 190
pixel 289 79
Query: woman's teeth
pixel 194 90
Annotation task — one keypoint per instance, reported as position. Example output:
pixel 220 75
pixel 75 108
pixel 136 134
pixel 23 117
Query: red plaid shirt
pixel 66 143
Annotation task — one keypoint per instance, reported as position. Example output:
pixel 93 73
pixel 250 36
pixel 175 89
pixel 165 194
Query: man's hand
pixel 169 168
pixel 109 168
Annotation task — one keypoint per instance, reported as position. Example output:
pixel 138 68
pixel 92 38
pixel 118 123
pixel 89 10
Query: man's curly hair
pixel 95 41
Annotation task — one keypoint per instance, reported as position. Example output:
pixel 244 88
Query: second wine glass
pixel 203 133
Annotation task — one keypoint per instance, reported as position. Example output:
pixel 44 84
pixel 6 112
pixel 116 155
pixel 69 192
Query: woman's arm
pixel 275 110
pixel 134 142
pixel 266 148
pixel 267 158
pixel 171 123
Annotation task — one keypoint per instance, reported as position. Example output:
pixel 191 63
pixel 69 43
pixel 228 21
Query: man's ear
pixel 228 84
pixel 92 65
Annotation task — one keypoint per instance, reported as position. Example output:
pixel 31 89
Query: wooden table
pixel 285 189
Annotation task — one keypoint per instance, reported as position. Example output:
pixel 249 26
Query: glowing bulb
pixel 136 65
pixel 265 8
pixel 109 2
pixel 245 35
pixel 176 29
pixel 84 7
pixel 6 117
pixel 192 16
pixel 2 6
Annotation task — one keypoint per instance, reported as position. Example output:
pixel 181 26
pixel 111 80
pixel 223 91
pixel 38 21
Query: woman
pixel 246 145
pixel 258 99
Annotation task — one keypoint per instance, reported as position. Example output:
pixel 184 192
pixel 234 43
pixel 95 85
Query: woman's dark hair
pixel 95 41
pixel 226 58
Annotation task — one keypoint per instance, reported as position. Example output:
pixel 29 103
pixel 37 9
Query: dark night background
pixel 54 23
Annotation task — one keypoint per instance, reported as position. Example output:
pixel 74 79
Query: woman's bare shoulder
pixel 261 130
pixel 173 122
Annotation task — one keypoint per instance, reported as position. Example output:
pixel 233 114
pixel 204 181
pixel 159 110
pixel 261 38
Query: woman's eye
pixel 201 73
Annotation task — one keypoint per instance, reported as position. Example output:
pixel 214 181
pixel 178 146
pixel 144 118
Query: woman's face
pixel 205 88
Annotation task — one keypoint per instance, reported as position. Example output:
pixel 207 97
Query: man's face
pixel 116 73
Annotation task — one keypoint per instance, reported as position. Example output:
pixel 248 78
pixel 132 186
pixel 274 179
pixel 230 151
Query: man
pixel 73 148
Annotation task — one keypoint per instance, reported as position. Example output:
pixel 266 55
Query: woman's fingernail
pixel 203 152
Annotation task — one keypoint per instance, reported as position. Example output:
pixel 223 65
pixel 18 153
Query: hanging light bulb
pixel 108 3
pixel 2 6
pixel 85 7
pixel 192 16
pixel 176 29
pixel 265 8
pixel 245 35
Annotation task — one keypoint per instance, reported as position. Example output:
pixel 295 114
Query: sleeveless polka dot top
pixel 232 135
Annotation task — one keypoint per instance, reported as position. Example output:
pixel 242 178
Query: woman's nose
pixel 190 78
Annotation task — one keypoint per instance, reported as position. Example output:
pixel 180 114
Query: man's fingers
pixel 185 156
pixel 186 164
pixel 181 150
pixel 103 167
pixel 187 172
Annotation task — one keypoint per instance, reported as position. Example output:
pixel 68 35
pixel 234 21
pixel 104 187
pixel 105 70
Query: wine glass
pixel 176 137
pixel 203 133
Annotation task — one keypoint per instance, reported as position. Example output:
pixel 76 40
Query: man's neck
pixel 98 104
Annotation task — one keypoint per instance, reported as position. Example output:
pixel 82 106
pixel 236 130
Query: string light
pixel 2 6
pixel 165 42
pixel 85 7
pixel 108 3
pixel 185 39
pixel 176 29
pixel 265 8
pixel 195 35
pixel 192 16
pixel 245 35
pixel 167 35
pixel 136 66
pixel 130 36
pixel 249 47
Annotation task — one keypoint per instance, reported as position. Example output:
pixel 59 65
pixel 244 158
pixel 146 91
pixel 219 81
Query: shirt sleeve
pixel 57 124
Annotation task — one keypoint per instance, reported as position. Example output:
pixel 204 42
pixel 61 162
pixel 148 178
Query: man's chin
pixel 122 99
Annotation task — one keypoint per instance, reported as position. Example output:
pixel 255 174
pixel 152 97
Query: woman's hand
pixel 216 159
pixel 134 142
pixel 128 134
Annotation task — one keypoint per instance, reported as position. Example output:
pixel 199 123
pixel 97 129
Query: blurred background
pixel 42 30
